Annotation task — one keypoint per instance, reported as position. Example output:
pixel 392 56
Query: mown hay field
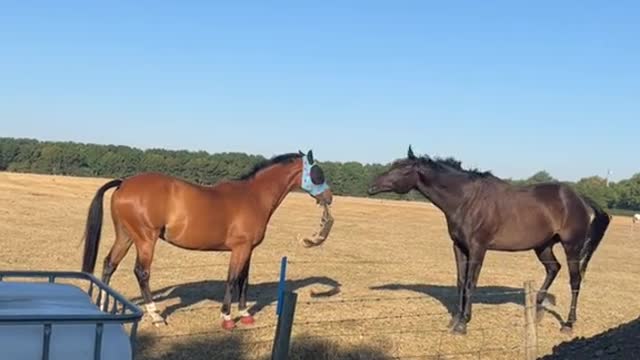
pixel 392 262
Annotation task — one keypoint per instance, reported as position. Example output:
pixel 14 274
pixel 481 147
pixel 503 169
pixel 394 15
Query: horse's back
pixel 157 198
pixel 154 187
pixel 529 216
pixel 155 179
pixel 560 201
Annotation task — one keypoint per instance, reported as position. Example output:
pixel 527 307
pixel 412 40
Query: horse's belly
pixel 192 240
pixel 518 242
pixel 521 232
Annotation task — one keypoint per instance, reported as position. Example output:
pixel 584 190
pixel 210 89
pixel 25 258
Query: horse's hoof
pixel 459 328
pixel 228 324
pixel 247 320
pixel 157 320
pixel 160 322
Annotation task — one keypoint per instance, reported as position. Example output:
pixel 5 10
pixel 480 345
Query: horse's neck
pixel 445 191
pixel 272 185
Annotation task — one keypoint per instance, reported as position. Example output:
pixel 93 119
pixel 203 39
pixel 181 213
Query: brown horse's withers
pixel 228 216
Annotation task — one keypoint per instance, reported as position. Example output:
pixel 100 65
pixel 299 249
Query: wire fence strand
pixel 366 328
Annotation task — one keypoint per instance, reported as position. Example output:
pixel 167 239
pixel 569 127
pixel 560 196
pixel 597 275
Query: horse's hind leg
pixel 113 259
pixel 573 259
pixel 145 241
pixel 116 254
pixel 552 267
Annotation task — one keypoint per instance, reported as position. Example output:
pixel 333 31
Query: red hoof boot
pixel 228 324
pixel 247 320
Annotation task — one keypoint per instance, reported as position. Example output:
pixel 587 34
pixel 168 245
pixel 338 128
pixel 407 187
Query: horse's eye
pixel 317 175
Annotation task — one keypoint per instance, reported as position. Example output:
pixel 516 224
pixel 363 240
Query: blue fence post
pixel 283 276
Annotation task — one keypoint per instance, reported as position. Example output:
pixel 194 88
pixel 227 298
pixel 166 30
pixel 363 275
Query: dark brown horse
pixel 486 213
pixel 228 216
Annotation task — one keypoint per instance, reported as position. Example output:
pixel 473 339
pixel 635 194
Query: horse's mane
pixel 279 159
pixel 449 163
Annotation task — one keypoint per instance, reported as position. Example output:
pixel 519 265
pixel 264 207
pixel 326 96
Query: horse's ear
pixel 300 152
pixel 310 156
pixel 410 154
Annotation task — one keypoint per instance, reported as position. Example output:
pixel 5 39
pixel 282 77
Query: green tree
pixel 8 151
pixel 540 177
pixel 348 178
pixel 596 188
pixel 629 193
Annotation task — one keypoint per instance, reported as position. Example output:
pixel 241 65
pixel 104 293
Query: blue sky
pixel 509 86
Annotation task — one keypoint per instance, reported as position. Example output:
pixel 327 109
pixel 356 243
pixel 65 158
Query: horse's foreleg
pixel 461 266
pixel 474 264
pixel 239 257
pixel 243 284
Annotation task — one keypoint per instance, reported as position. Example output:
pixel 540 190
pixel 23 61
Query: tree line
pixel 346 178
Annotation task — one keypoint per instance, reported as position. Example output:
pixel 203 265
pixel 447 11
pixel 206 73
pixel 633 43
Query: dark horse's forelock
pixel 449 163
pixel 280 159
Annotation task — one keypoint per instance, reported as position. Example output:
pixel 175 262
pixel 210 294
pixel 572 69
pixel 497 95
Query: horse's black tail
pixel 93 228
pixel 597 229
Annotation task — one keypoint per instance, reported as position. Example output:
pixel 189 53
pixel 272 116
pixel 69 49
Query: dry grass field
pixel 392 261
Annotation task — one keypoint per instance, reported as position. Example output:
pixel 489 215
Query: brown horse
pixel 228 216
pixel 484 213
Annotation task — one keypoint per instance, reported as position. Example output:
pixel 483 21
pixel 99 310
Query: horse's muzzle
pixel 325 198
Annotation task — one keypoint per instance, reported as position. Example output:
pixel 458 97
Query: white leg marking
pixel 153 312
pixel 151 307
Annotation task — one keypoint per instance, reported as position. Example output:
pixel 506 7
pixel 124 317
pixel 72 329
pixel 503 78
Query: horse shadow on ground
pixel 489 295
pixel 261 295
pixel 235 347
